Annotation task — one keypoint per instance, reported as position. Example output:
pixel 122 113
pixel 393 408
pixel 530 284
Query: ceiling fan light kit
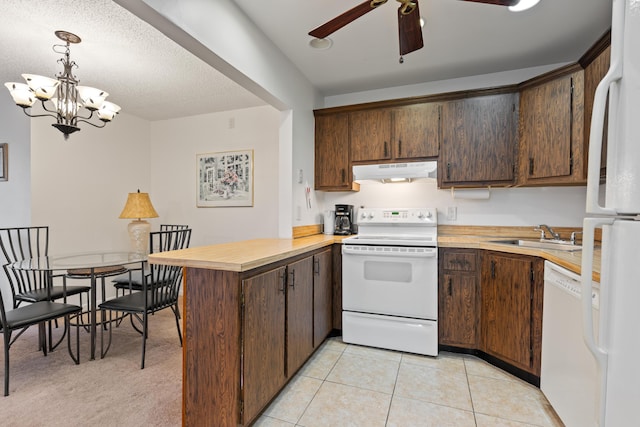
pixel 63 92
pixel 410 22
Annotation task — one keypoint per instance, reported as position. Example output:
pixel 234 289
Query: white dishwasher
pixel 569 377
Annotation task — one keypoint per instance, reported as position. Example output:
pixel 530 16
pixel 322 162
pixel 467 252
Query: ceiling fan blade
pixel 349 16
pixel 497 2
pixel 409 29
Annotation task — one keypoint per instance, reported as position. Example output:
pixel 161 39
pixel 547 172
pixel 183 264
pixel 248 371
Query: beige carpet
pixel 114 391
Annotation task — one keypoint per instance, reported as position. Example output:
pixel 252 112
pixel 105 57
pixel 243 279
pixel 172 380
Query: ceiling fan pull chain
pixel 401 60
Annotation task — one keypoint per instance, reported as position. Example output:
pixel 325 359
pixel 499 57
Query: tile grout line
pixel 324 380
pixel 466 374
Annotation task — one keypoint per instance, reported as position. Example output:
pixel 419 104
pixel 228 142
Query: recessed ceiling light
pixel 321 44
pixel 523 5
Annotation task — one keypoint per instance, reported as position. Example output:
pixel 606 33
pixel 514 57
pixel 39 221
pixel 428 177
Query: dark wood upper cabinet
pixel 552 147
pixel 405 133
pixel 416 131
pixel 479 137
pixel 332 163
pixel 370 135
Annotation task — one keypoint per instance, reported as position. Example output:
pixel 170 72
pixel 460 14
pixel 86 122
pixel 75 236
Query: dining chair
pixel 160 290
pixel 132 280
pixel 36 313
pixel 21 243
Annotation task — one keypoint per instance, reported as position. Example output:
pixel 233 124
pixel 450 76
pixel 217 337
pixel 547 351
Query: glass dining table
pixel 87 265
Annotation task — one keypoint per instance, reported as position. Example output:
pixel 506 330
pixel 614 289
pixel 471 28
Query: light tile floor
pixel 348 385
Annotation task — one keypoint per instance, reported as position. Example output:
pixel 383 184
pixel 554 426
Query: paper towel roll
pixel 471 193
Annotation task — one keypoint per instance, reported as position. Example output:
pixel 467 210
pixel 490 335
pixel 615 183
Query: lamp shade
pixel 138 206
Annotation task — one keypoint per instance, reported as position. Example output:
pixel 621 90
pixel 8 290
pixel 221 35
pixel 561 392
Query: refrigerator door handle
pixel 599 108
pixel 588 229
pixel 600 355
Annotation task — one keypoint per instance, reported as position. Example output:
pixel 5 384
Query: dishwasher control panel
pixel 570 282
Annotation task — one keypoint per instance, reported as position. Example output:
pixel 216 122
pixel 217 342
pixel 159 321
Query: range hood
pixel 395 172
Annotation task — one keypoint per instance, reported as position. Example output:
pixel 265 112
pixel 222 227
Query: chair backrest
pixel 18 243
pixel 164 281
pixel 172 227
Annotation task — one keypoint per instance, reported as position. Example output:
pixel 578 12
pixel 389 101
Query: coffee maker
pixel 344 220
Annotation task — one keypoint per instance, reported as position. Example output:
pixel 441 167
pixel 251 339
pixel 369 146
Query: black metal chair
pixel 132 280
pixel 19 243
pixel 160 290
pixel 37 313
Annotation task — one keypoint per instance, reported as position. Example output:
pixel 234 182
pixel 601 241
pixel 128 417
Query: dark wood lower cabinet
pixel 247 333
pixel 512 287
pixel 490 304
pixel 299 313
pixel 322 296
pixel 458 308
pixel 263 331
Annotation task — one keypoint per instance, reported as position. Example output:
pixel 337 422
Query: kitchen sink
pixel 560 245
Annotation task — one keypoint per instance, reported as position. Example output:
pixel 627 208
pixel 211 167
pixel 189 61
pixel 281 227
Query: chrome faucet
pixel 543 236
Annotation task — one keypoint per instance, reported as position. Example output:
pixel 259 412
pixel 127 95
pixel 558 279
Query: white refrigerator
pixel 617 347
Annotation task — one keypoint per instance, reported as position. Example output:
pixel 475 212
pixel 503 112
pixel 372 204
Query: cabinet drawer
pixel 459 260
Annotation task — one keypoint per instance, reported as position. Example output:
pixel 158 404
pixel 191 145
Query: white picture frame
pixel 224 179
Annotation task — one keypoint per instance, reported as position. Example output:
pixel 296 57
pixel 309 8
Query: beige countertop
pixel 250 254
pixel 244 255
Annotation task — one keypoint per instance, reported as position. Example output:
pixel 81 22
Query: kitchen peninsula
pixel 255 311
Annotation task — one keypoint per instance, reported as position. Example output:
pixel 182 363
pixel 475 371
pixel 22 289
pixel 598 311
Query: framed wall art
pixel 225 179
pixel 4 162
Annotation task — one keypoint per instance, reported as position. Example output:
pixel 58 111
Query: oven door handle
pixel 390 251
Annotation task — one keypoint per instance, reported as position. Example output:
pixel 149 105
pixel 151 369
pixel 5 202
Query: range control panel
pixel 426 216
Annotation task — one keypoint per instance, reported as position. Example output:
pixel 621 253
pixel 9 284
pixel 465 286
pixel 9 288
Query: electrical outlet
pixel 452 213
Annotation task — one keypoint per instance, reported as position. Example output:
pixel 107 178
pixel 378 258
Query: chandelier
pixel 69 100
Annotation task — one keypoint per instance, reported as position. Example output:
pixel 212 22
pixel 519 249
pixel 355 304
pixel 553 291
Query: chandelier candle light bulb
pixel 68 99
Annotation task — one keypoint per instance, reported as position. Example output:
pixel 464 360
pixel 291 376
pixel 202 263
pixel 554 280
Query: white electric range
pixel 390 280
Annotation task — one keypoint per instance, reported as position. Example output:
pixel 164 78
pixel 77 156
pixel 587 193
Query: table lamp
pixel 139 206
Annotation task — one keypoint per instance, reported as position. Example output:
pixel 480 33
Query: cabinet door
pixel 546 129
pixel 458 309
pixel 458 298
pixel 322 290
pixel 332 167
pixel 512 309
pixel 416 131
pixel 370 135
pixel 263 347
pixel 478 141
pixel 299 313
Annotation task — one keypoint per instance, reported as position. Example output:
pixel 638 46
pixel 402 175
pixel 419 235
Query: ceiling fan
pixel 409 28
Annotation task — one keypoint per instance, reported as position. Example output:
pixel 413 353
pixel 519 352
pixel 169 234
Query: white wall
pixel 227 40
pixel 79 186
pixel 174 145
pixel 15 195
pixel 555 206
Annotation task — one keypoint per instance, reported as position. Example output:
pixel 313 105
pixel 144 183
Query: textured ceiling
pixel 152 77
pixel 460 39
pixel 145 73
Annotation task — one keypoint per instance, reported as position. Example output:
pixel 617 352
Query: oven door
pixel 390 280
